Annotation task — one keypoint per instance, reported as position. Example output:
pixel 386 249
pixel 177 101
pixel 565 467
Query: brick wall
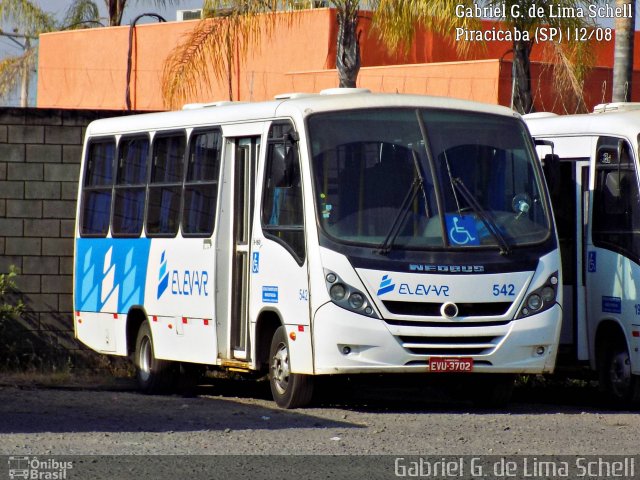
pixel 40 152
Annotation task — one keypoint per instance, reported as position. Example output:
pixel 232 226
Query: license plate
pixel 445 364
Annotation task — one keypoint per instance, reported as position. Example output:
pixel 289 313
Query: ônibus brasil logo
pixel 386 285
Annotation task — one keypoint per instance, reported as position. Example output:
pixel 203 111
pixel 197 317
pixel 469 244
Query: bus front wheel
pixel 616 379
pixel 153 375
pixel 289 390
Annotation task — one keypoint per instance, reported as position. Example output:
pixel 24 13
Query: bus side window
pixel 165 185
pixel 97 188
pixel 282 205
pixel 201 184
pixel 130 188
pixel 616 202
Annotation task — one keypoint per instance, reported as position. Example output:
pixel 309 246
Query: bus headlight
pixel 348 297
pixel 337 292
pixel 548 294
pixel 534 302
pixel 356 301
pixel 540 299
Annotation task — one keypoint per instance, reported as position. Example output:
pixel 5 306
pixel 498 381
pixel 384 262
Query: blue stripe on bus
pixel 110 270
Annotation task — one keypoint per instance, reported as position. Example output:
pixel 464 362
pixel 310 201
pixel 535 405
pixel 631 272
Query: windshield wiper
pixel 489 223
pixel 418 184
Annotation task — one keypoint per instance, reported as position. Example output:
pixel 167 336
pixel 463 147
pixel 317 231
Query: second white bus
pixel 338 233
pixel 594 185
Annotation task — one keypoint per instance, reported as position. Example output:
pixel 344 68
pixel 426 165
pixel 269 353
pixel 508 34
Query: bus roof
pixel 290 105
pixel 615 123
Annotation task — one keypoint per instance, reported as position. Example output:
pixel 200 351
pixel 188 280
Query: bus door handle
pixel 242 248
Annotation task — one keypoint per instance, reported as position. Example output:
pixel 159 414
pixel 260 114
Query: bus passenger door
pixel 234 234
pixel 279 277
pixel 568 182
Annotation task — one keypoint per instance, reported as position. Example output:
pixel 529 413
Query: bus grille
pixel 438 346
pixel 432 309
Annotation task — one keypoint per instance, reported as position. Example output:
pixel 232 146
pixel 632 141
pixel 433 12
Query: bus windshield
pixel 395 177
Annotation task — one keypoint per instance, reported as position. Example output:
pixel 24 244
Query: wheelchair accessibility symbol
pixel 462 230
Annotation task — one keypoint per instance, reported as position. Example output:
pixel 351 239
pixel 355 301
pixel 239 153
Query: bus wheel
pixel 153 374
pixel 615 373
pixel 289 390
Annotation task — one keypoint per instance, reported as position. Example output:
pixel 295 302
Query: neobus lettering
pixel 424 290
pixel 190 282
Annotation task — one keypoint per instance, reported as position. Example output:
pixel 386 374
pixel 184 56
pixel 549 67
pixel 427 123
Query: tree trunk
pixel 623 54
pixel 115 8
pixel 24 84
pixel 522 99
pixel 348 48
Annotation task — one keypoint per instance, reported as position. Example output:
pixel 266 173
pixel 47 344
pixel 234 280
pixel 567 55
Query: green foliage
pixel 231 29
pixel 28 21
pixel 9 308
pixel 81 14
pixel 397 21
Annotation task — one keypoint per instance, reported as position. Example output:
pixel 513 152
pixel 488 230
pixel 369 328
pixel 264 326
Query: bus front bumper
pixel 345 342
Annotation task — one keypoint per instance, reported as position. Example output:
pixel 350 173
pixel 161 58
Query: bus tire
pixel 614 370
pixel 153 375
pixel 289 390
pixel 493 390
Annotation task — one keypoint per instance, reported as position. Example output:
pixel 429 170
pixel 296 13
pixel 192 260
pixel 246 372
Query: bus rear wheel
pixel 289 390
pixel 616 379
pixel 154 376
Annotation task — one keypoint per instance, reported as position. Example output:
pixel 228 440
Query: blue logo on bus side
pixel 163 276
pixel 255 265
pixel 183 282
pixel 593 265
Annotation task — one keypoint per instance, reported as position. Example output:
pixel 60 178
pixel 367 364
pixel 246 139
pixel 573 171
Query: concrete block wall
pixel 40 152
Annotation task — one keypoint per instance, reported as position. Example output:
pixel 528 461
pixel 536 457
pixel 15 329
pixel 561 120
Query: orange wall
pixel 87 68
pixel 473 80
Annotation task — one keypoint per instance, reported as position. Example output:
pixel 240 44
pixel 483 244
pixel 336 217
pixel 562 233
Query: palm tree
pixel 29 21
pixel 397 20
pixel 623 54
pixel 232 26
pixel 115 9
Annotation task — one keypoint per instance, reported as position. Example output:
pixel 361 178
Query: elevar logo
pixel 386 285
pixel 163 275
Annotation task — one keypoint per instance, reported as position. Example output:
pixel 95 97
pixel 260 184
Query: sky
pixel 59 7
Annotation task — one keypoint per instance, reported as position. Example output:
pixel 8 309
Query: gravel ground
pixel 237 417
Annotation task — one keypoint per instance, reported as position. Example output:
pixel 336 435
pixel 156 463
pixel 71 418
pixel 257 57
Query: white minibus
pixel 344 232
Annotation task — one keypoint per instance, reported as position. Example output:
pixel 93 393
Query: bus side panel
pixel 109 280
pixel 172 280
pixel 179 299
pixel 279 284
pixel 97 331
pixel 613 282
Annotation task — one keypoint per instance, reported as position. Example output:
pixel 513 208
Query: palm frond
pixel 217 43
pixel 12 70
pixel 397 21
pixel 26 16
pixel 570 63
pixel 81 14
